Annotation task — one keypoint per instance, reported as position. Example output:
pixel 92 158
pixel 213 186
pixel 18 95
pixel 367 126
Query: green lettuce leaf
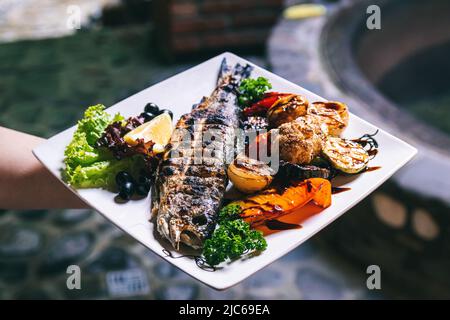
pixel 94 122
pixel 102 174
pixel 80 152
pixel 85 165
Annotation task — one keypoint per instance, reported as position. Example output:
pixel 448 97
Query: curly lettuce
pixel 85 165
pixel 95 121
pixel 80 152
pixel 102 174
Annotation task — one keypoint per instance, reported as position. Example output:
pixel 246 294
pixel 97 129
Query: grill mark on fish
pixel 193 170
pixel 190 193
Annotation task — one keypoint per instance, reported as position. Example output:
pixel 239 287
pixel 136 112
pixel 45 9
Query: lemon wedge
pixel 158 130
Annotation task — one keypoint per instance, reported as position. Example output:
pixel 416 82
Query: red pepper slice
pixel 260 108
pixel 274 93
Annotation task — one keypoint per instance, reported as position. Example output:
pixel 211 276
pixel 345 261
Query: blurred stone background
pixel 50 74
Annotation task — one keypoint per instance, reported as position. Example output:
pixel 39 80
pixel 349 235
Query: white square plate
pixel 179 93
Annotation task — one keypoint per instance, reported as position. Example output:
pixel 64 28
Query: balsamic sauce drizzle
pixel 199 261
pixel 274 224
pixel 336 190
pixel 368 140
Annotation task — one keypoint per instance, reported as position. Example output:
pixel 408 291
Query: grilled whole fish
pixel 192 176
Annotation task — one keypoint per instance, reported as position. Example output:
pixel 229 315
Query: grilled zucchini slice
pixel 345 155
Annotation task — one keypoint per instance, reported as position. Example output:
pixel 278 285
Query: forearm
pixel 24 182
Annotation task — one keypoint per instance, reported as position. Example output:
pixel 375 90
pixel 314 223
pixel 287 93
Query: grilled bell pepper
pixel 260 107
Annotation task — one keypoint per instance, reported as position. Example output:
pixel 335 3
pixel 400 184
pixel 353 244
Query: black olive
pixel 152 108
pixel 166 111
pixel 145 181
pixel 147 116
pixel 143 173
pixel 142 189
pixel 126 190
pixel 123 177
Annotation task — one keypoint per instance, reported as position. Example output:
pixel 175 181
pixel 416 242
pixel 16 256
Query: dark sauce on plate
pixel 199 260
pixel 372 168
pixel 336 190
pixel 291 220
pixel 280 225
pixel 372 153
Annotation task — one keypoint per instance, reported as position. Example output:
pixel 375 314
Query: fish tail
pixel 237 73
pixel 241 72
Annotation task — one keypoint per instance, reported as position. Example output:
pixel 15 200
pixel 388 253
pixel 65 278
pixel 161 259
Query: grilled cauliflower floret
pixel 301 140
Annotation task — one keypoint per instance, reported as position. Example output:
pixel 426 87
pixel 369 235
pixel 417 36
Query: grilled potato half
pixel 345 155
pixel 333 114
pixel 249 175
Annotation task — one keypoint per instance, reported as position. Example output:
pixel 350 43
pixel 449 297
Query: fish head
pixel 177 231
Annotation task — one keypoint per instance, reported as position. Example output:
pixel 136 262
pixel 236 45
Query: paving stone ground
pixel 34 256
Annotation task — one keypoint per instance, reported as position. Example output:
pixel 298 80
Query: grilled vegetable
pixel 345 155
pixel 334 114
pixel 249 175
pixel 290 171
pixel 273 203
pixel 287 109
pixel 261 107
